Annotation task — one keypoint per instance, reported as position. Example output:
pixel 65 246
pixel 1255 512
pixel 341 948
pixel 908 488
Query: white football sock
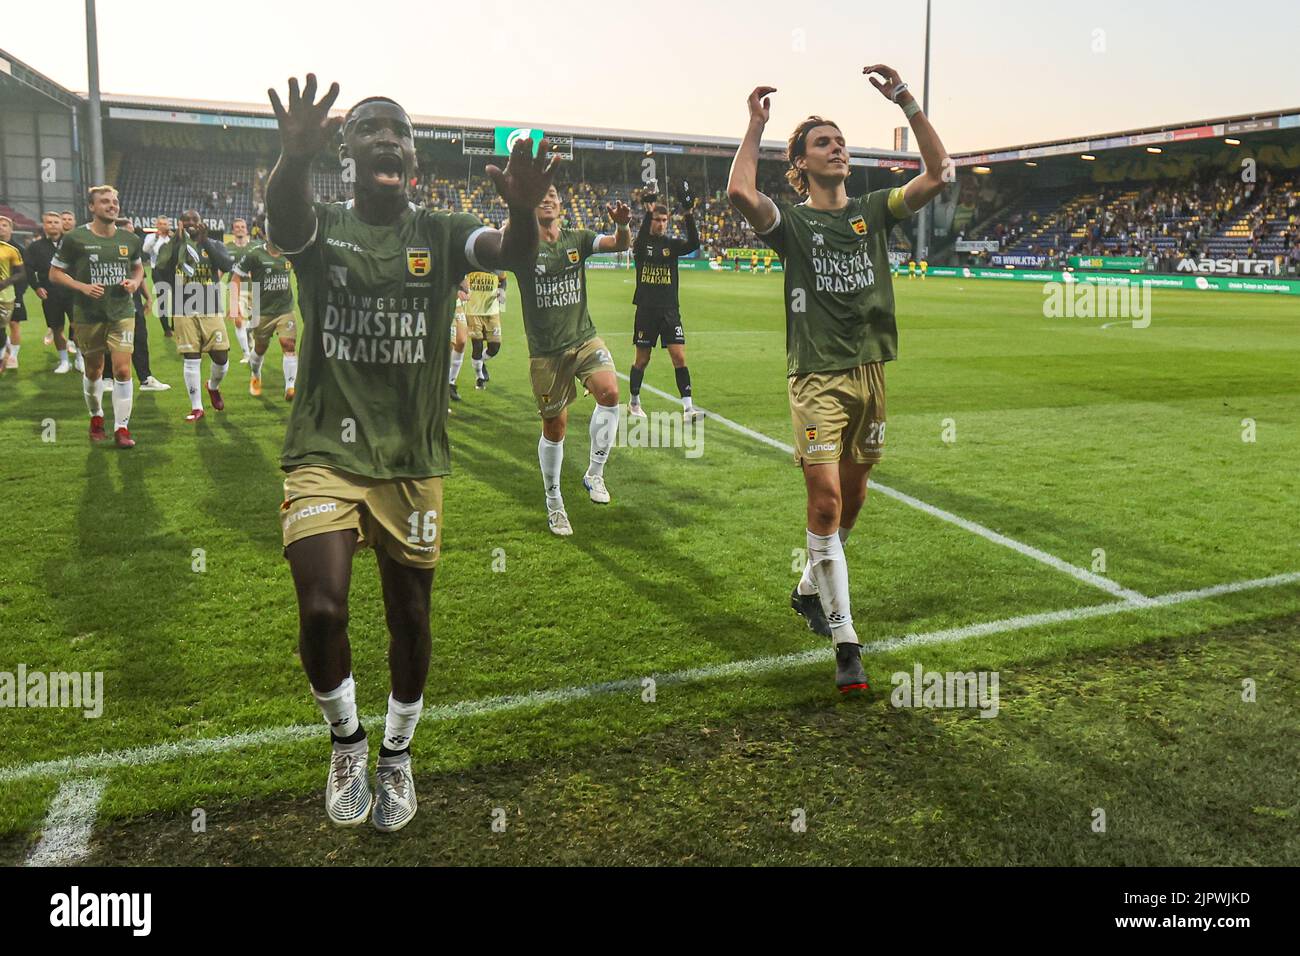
pixel 123 399
pixel 255 363
pixel 339 707
pixel 844 534
pixel 216 373
pixel 478 367
pixel 13 350
pixel 241 336
pixel 290 370
pixel 457 360
pixel 193 376
pixel 551 456
pixel 399 727
pixel 687 404
pixel 806 583
pixel 603 430
pixel 94 401
pixel 63 356
pixel 830 572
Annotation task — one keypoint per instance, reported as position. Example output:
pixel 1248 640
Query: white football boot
pixel 395 804
pixel 595 485
pixel 347 791
pixel 559 522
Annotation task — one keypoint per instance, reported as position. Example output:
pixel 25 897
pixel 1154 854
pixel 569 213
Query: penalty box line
pixel 183 749
pixel 988 534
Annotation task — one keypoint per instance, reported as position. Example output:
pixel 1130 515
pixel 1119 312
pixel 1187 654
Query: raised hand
pixel 305 126
pixel 685 198
pixel 620 212
pixel 760 104
pixel 526 178
pixel 890 82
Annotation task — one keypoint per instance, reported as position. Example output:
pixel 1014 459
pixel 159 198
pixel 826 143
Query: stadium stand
pixel 1210 217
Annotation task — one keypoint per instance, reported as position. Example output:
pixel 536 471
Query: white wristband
pixel 899 90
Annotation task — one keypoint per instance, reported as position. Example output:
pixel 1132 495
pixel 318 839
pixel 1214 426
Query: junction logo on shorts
pixel 418 262
pixel 308 512
pixel 810 432
pixel 572 254
pixel 859 225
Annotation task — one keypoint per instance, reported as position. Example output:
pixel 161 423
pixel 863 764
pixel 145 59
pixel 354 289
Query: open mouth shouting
pixel 387 169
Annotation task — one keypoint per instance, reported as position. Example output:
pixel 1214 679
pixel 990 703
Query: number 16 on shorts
pixel 424 527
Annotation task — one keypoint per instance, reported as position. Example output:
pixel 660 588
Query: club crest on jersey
pixel 418 262
pixel 810 432
pixel 859 225
pixel 665 251
pixel 572 254
pixel 123 251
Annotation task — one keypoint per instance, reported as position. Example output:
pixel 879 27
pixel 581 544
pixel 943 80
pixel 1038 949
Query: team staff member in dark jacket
pixel 657 312
pixel 55 300
pixel 166 278
pixel 140 357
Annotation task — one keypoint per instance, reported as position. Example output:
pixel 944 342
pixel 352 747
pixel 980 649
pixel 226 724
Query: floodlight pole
pixel 92 75
pixel 923 220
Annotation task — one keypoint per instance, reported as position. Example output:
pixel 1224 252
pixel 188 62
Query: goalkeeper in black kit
pixel 658 316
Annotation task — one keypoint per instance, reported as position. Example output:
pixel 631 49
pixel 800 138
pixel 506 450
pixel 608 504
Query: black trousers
pixel 140 351
pixel 162 303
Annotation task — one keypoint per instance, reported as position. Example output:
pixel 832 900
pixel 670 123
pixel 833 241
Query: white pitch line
pixel 161 753
pixel 1028 550
pixel 65 837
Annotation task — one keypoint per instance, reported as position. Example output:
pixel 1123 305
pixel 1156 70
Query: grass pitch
pixel 1119 451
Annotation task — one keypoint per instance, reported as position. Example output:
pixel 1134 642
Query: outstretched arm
pixel 919 191
pixel 644 229
pixel 742 187
pixel 305 128
pixel 691 242
pixel 522 184
pixel 621 240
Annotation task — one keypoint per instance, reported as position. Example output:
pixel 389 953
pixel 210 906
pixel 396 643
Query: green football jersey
pixel 839 295
pixel 274 291
pixel 238 252
pixel 376 305
pixel 96 260
pixel 554 294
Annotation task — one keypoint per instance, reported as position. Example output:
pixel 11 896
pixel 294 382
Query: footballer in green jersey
pixel 563 347
pixel 840 331
pixel 104 266
pixel 262 277
pixel 366 446
pixel 197 260
pixel 239 243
